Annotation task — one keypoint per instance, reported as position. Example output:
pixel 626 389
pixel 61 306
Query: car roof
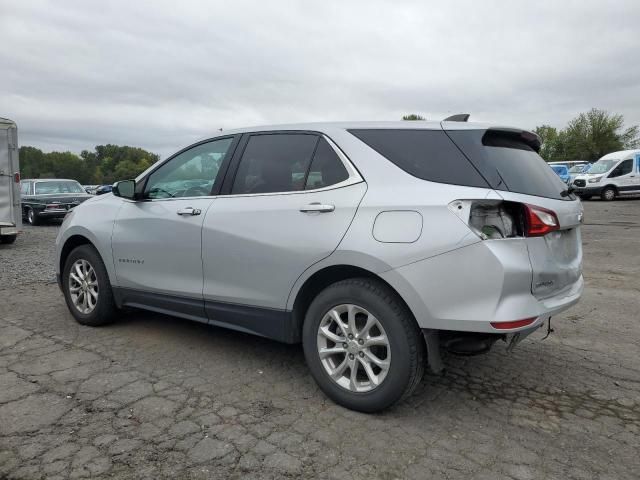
pixel 619 155
pixel 48 180
pixel 400 124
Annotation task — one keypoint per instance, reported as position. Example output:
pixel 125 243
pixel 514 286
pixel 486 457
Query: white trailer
pixel 10 209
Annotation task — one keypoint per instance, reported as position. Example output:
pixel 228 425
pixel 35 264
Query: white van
pixel 616 174
pixel 10 212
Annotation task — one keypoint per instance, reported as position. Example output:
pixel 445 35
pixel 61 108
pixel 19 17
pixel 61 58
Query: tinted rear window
pixel 426 154
pixel 509 163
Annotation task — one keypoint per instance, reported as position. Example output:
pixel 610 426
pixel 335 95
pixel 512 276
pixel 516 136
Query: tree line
pixel 588 136
pixel 104 165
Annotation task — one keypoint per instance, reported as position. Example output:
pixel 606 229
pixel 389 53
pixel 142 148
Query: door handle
pixel 317 207
pixel 189 211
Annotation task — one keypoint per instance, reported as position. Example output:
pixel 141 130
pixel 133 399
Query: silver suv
pixel 376 245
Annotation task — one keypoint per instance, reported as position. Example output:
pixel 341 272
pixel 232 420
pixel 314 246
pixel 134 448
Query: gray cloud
pixel 162 74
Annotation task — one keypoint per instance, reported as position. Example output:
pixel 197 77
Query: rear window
pixel 426 154
pixel 509 163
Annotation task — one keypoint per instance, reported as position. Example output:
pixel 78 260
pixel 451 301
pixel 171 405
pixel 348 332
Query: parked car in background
pixel 577 170
pixel 373 244
pixel 616 174
pixel 10 218
pixel 50 198
pixel 90 189
pixel 562 171
pixel 101 190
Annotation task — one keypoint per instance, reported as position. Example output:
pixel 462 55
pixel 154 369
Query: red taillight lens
pixel 16 177
pixel 514 324
pixel 539 221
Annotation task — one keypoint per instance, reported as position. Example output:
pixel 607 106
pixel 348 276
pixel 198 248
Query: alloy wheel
pixel 354 348
pixel 83 286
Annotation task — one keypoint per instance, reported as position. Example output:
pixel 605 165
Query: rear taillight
pixel 539 221
pixel 497 219
pixel 16 177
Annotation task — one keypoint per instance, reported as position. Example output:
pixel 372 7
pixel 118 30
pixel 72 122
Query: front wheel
pixel 608 194
pixel 362 345
pixel 86 287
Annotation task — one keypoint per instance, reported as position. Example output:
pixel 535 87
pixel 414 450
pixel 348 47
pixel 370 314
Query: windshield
pixel 603 166
pixel 44 188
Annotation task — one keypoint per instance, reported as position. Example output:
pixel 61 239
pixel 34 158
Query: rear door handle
pixel 317 207
pixel 189 211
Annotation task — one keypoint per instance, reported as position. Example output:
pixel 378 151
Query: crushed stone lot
pixel 158 397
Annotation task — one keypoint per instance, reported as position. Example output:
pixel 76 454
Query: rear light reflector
pixel 513 324
pixel 539 221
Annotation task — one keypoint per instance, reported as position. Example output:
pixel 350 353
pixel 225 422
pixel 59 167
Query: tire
pixel 8 239
pixel 405 352
pixel 608 194
pixel 32 217
pixel 104 309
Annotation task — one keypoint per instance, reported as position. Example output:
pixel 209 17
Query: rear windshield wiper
pixel 567 192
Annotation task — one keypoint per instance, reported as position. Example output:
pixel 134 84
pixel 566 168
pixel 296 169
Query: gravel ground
pixel 157 397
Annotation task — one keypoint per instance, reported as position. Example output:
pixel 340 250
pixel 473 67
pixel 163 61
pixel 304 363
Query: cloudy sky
pixel 162 74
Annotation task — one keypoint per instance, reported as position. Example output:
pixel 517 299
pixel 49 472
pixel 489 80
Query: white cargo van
pixel 10 212
pixel 614 175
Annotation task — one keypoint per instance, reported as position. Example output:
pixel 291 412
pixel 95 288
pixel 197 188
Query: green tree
pixel 106 164
pixel 413 116
pixel 589 136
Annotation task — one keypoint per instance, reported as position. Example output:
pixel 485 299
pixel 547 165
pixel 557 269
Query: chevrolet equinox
pixel 375 245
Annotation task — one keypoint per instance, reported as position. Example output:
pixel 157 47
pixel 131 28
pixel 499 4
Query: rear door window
pixel 509 163
pixel 274 163
pixel 425 154
pixel 326 168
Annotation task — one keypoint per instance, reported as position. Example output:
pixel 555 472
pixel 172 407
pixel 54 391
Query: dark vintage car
pixel 49 198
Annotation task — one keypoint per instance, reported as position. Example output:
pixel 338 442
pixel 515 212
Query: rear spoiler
pixel 458 117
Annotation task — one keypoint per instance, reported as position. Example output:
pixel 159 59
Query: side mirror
pixel 125 189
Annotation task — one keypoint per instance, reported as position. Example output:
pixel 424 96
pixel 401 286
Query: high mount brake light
pixel 539 221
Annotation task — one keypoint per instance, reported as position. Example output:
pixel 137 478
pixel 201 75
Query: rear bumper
pixel 587 190
pixel 51 213
pixel 8 230
pixel 470 288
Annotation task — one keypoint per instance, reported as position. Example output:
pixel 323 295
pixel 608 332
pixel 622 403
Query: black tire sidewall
pixel 604 196
pixel 399 375
pixel 105 307
pixel 8 239
pixel 32 217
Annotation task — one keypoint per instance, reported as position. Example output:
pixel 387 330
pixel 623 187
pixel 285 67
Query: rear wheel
pixel 32 217
pixel 86 287
pixel 8 239
pixel 362 345
pixel 608 194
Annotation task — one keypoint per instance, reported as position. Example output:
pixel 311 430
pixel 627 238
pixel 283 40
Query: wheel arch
pixel 324 277
pixel 70 243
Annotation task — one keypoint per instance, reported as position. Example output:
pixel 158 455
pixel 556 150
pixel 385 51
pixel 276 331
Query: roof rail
pixel 459 117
